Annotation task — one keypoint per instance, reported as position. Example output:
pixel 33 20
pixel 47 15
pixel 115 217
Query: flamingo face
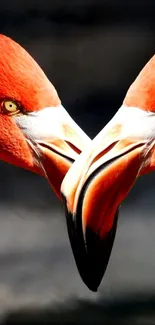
pixel 36 132
pixel 103 175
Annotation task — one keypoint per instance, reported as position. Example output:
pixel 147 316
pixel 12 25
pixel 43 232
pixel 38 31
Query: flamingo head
pixel 36 132
pixel 102 176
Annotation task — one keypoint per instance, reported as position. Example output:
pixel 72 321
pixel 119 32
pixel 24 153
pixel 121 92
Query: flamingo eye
pixel 10 107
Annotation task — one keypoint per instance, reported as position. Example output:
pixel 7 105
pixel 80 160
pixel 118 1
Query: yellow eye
pixel 10 107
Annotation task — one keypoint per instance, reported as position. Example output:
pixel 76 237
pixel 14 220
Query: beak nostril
pixel 73 147
pixel 56 151
pixel 102 153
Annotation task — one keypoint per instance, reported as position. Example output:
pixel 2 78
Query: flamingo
pixel 36 132
pixel 102 176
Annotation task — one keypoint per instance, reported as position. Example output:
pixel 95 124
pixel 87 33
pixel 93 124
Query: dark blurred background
pixel 91 50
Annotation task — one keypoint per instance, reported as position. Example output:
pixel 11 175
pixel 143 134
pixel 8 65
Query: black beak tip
pixel 96 257
pixel 91 287
pixel 91 253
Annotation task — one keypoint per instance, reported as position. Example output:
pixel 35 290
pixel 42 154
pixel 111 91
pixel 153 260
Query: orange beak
pixel 99 181
pixel 46 142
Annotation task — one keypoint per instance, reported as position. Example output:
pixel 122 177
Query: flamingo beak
pixel 97 183
pixel 55 141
